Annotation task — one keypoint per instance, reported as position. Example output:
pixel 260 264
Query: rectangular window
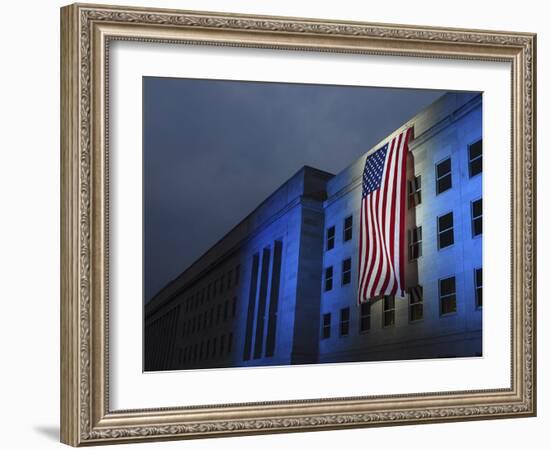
pixel 344 321
pixel 330 238
pixel 477 217
pixel 234 307
pixel 230 343
pixel 225 310
pixel 388 317
pixel 207 349
pixel 326 326
pixel 443 176
pixel 328 278
pixel 251 306
pixel 348 228
pixel 416 303
pixel 415 243
pixel 237 274
pixel 415 191
pixel 222 283
pixel 214 346
pixel 478 280
pixel 447 295
pixel 218 313
pixel 229 278
pixel 274 299
pixel 262 299
pixel 222 344
pixel 445 230
pixel 364 320
pixel 346 271
pixel 475 158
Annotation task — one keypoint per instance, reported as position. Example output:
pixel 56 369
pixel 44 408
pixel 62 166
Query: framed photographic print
pixel 255 209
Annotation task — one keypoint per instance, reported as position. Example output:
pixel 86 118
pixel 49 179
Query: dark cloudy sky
pixel 213 150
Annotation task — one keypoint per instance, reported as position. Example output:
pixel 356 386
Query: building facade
pixel 281 287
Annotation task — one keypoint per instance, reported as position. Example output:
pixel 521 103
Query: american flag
pixel 382 233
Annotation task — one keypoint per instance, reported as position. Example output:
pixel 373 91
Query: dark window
pixel 234 307
pixel 415 243
pixel 203 292
pixel 348 228
pixel 477 217
pixel 328 278
pixel 204 320
pixel 388 318
pixel 208 290
pixel 415 191
pixel 274 299
pixel 214 346
pixel 230 343
pixel 218 313
pixel 226 310
pixel 222 344
pixel 262 299
pixel 251 306
pixel 207 349
pixel 326 326
pixel 346 271
pixel 237 274
pixel 229 278
pixel 364 319
pixel 443 176
pixel 416 303
pixel 447 295
pixel 222 283
pixel 445 230
pixel 478 280
pixel 330 238
pixel 211 318
pixel 201 348
pixel 475 158
pixel 344 321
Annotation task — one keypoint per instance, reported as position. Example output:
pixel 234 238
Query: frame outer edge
pixel 82 402
pixel 69 313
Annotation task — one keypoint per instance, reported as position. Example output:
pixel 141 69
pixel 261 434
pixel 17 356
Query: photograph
pixel 288 223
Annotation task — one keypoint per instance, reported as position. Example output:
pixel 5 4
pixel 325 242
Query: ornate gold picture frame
pixel 87 32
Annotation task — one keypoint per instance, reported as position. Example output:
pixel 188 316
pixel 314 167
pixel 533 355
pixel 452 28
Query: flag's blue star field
pixel 374 167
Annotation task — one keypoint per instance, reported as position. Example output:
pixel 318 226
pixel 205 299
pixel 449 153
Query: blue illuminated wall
pixel 246 300
pixel 445 130
pixel 258 296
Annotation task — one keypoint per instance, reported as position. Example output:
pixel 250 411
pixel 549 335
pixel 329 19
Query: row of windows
pixel 445 238
pixel 447 305
pixel 215 288
pixel 346 235
pixel 444 182
pixel 207 349
pixel 207 319
pixel 443 176
pixel 445 230
pixel 346 274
